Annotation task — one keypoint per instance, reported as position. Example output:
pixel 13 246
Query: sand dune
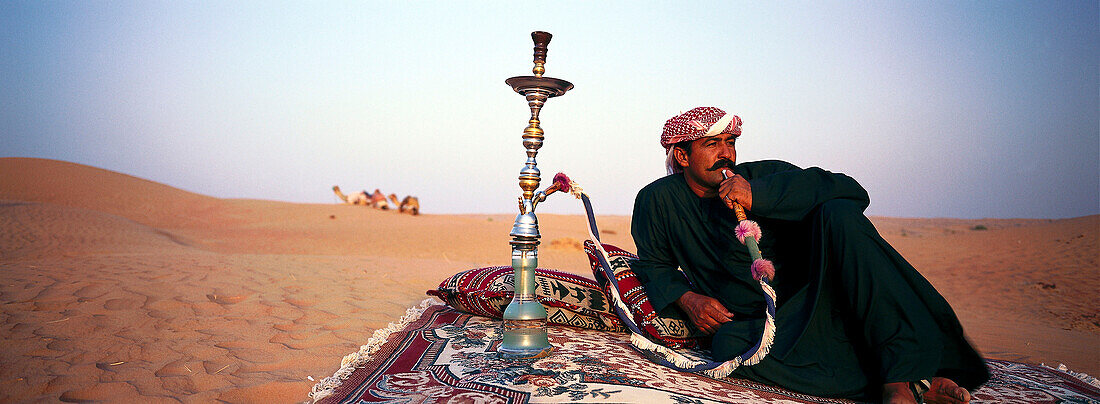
pixel 119 288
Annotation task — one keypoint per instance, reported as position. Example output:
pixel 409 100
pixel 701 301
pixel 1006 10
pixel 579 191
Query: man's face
pixel 708 156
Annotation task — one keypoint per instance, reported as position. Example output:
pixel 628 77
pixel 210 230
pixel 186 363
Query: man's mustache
pixel 721 163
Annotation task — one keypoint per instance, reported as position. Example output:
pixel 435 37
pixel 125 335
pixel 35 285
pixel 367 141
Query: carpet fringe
pixel 1080 375
pixel 349 363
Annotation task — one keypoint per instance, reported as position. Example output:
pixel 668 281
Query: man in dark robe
pixel 854 319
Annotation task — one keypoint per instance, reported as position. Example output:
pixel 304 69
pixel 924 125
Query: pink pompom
pixel 561 181
pixel 747 228
pixel 762 268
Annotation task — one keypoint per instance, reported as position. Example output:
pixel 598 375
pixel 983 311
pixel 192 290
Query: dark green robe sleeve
pixel 783 191
pixel 656 266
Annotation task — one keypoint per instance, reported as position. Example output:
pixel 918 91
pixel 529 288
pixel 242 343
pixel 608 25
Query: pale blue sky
pixel 940 109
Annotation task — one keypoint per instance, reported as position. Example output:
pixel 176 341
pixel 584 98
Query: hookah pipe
pixel 524 318
pixel 749 234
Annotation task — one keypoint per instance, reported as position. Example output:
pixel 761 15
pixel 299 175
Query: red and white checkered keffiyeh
pixel 696 124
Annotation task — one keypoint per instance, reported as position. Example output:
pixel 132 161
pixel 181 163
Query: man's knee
pixel 841 212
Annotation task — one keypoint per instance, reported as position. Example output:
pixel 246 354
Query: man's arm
pixel 780 190
pixel 656 267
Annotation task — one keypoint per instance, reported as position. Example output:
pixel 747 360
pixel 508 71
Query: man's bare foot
pixel 946 391
pixel 942 391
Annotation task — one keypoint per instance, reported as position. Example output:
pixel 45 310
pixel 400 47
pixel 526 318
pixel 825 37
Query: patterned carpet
pixel 438 354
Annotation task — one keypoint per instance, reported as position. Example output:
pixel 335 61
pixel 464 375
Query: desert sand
pixel 122 289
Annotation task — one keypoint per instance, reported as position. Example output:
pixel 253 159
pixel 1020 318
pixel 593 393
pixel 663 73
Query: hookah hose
pixel 692 361
pixel 749 234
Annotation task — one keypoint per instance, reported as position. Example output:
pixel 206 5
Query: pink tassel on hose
pixel 747 228
pixel 762 268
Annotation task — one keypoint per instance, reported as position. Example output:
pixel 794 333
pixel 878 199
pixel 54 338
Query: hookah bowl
pixel 525 318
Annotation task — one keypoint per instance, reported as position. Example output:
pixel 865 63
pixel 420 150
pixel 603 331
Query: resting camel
pixel 378 200
pixel 356 198
pixel 411 205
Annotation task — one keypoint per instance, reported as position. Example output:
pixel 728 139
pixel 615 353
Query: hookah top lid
pixel 523 84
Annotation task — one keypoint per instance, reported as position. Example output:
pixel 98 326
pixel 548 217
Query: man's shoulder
pixel 660 192
pixel 752 169
pixel 765 163
pixel 662 185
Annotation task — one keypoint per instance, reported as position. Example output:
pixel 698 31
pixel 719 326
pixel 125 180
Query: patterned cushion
pixel 569 299
pixel 672 330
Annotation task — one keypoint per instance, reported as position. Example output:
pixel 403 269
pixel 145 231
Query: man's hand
pixel 705 311
pixel 735 189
